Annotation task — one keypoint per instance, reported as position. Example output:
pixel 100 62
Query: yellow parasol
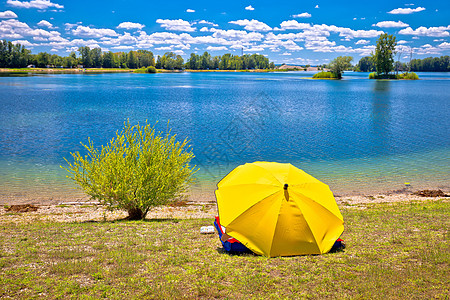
pixel 276 209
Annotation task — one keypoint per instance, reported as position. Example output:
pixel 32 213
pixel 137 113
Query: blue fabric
pixel 339 245
pixel 235 247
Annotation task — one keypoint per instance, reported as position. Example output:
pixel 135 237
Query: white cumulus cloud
pixel 14 29
pixel 350 33
pixel 7 14
pixel 274 42
pixel 253 25
pixel 166 38
pixel 324 30
pixel 207 23
pixel 74 44
pixel 40 4
pixel 440 31
pixel 291 45
pixel 69 26
pixel 249 8
pixel 24 43
pixel 302 15
pixel 406 11
pixel 218 48
pixel 45 23
pixel 176 25
pixel 125 39
pixel 184 47
pixel 293 24
pixel 123 47
pixel 391 24
pixel 93 32
pixel 362 42
pixel 316 45
pixel 164 48
pixel 237 35
pixel 190 10
pixel 130 25
pixel 254 49
pixel 444 45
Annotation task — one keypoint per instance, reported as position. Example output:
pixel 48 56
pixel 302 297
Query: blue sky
pixel 293 32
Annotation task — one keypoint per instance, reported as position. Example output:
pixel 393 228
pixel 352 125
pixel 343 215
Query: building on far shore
pixel 298 68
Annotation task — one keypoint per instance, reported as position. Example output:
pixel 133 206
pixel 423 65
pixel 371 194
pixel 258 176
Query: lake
pixel 357 135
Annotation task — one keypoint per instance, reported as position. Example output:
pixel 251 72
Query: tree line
pixel 13 55
pixel 429 64
pixel 17 56
pixel 228 62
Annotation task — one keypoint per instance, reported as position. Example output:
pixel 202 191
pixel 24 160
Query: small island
pixel 405 76
pixel 337 67
pixel 383 58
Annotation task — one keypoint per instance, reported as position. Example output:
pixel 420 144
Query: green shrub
pixel 374 75
pixel 409 76
pixel 138 169
pixel 150 69
pixel 322 75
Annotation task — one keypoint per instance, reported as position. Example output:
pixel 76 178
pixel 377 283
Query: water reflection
pixel 382 85
pixel 381 117
pixel 16 74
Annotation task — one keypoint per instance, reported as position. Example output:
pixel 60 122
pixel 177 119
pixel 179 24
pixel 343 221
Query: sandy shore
pixel 85 211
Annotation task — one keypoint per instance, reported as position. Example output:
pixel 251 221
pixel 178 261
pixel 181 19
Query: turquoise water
pixel 357 135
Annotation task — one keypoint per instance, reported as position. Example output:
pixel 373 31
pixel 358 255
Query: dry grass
pixel 398 250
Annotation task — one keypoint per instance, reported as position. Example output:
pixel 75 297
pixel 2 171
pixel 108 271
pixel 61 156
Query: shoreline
pixel 92 212
pixel 203 191
pixel 118 70
pixel 208 197
pixel 115 70
pixel 62 70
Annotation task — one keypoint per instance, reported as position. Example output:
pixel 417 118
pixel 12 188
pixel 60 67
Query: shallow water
pixel 357 135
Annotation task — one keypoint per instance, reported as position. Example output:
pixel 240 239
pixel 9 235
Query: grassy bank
pixel 325 75
pixel 403 76
pixel 398 250
pixel 225 71
pixel 63 70
pixel 118 70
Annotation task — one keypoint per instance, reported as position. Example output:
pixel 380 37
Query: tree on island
pixel 384 54
pixel 340 64
pixel 365 64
